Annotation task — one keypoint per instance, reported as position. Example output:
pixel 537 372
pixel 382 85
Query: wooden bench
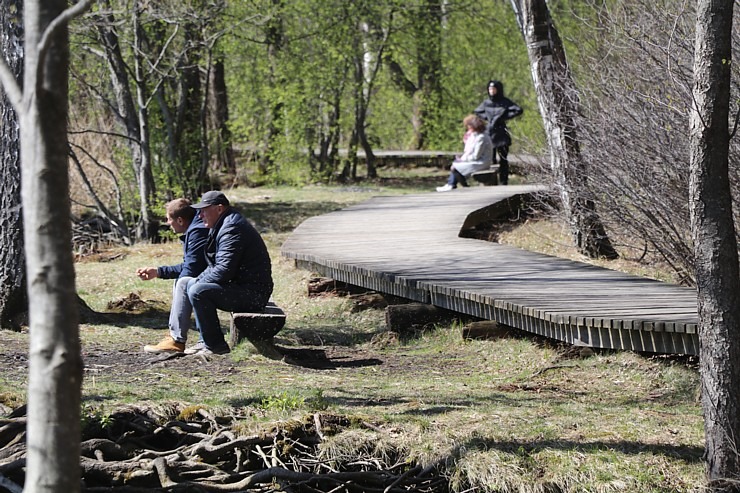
pixel 257 327
pixel 487 177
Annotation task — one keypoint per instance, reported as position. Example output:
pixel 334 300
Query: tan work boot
pixel 166 345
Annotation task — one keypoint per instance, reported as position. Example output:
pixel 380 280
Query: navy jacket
pixel 496 110
pixel 193 253
pixel 236 254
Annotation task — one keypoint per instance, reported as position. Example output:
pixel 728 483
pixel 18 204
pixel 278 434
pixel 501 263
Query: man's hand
pixel 146 273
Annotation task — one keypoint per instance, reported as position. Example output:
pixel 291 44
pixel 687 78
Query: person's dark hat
pixel 213 197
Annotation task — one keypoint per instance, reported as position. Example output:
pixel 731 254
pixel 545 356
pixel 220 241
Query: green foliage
pixel 291 400
pixel 94 419
pixel 284 401
pixel 298 76
pixel 304 86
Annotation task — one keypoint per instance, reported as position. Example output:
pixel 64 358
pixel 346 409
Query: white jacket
pixel 477 156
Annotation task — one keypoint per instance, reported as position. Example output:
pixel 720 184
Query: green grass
pixel 511 415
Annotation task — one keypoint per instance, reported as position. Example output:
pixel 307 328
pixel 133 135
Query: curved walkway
pixel 409 246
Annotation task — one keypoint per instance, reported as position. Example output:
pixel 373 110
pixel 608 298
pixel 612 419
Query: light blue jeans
pixel 180 311
pixel 206 298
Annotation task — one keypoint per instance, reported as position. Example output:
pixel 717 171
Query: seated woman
pixel 477 156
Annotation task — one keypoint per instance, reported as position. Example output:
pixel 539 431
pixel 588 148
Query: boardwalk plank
pixel 409 246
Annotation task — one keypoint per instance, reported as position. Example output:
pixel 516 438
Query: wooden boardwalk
pixel 409 246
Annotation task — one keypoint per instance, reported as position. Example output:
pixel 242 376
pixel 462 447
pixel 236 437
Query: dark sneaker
pixel 166 345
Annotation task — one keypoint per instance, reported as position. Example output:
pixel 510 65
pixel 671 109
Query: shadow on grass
pixel 326 336
pixel 317 359
pixel 151 318
pixel 687 453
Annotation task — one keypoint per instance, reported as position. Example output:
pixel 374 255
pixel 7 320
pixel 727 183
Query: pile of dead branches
pixel 91 236
pixel 138 449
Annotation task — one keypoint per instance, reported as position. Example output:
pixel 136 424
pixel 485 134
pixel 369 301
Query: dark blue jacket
pixel 193 253
pixel 236 254
pixel 496 110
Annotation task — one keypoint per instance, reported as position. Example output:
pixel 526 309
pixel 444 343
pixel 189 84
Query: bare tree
pixel 559 103
pixel 715 247
pixel 13 295
pixel 155 58
pixel 633 124
pixel 55 363
pixel 131 104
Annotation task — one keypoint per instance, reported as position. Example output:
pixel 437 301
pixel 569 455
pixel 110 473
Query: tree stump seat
pixel 262 326
pixel 487 177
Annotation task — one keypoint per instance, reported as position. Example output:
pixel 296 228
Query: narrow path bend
pixel 409 246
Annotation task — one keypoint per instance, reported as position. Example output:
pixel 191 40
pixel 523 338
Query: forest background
pixel 153 100
pixel 180 97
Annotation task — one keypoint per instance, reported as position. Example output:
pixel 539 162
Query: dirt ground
pixel 128 361
pixel 131 359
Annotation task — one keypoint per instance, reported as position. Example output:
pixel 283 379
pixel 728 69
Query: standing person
pixel 478 154
pixel 238 276
pixel 184 221
pixel 496 110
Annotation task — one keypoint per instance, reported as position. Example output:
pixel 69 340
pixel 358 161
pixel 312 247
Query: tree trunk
pixel 274 39
pixel 13 295
pixel 146 228
pixel 55 362
pixel 558 102
pixel 132 114
pixel 412 316
pixel 715 245
pixel 189 128
pixel 218 117
pixel 428 34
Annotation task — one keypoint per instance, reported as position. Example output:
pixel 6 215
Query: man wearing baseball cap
pixel 238 273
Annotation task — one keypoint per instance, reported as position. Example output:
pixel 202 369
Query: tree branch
pixel 59 22
pixel 398 76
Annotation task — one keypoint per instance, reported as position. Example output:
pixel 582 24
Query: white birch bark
pixel 55 363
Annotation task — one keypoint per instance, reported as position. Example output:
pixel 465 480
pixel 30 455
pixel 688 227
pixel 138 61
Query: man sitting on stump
pixel 238 275
pixel 183 220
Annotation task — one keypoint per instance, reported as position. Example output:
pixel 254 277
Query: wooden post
pixel 403 318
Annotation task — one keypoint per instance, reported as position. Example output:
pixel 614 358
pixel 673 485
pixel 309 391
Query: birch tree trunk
pixel 55 363
pixel 558 101
pixel 13 295
pixel 715 245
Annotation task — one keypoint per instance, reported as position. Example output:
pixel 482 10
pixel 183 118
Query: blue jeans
pixel 207 297
pixel 455 178
pixel 180 311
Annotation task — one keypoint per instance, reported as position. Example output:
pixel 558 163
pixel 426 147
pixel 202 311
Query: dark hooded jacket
pixel 236 255
pixel 496 110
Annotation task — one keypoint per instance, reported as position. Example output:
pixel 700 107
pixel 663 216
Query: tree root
pixel 136 453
